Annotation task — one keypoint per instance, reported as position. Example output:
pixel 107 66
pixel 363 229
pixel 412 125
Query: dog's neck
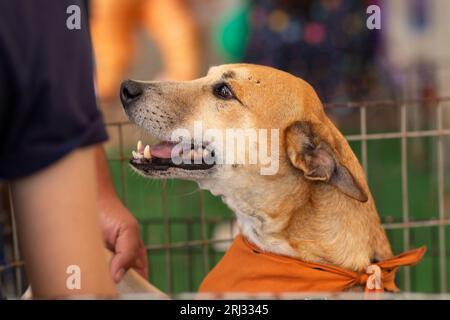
pixel 302 229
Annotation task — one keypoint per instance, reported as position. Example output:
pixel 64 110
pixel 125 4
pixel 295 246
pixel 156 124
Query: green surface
pixel 231 34
pixel 182 200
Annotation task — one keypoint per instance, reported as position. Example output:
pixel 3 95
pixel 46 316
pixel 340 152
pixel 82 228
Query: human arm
pixel 58 226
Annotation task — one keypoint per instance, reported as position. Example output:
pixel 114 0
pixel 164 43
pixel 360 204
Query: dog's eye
pixel 223 91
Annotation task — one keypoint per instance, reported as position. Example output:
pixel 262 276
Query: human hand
pixel 122 236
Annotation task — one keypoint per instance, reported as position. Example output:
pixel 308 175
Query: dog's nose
pixel 130 91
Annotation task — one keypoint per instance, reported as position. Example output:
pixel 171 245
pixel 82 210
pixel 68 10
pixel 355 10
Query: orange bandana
pixel 245 268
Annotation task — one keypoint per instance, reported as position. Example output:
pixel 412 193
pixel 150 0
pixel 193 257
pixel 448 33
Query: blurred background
pixel 387 90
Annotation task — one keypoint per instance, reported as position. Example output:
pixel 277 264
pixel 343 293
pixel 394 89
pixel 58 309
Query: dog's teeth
pixel 147 154
pixel 205 153
pixel 140 146
pixel 197 154
pixel 136 155
pixel 185 154
pixel 192 154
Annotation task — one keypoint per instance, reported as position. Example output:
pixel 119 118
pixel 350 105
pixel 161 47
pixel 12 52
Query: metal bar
pixel 15 240
pixel 232 222
pixel 405 195
pixel 167 237
pixel 363 127
pixel 384 103
pixel 387 226
pixel 190 253
pixel 434 266
pixel 118 123
pixel 185 244
pixel 416 224
pixel 122 167
pixel 203 232
pixel 2 287
pixel 218 219
pixel 440 180
pixel 413 270
pixel 212 219
pixel 145 239
pixel 12 265
pixel 397 135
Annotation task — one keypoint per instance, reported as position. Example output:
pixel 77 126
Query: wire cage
pixel 404 147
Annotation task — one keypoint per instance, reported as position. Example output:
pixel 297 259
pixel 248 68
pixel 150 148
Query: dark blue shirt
pixel 47 101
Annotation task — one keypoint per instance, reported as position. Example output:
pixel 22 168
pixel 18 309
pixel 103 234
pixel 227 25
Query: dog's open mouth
pixel 166 154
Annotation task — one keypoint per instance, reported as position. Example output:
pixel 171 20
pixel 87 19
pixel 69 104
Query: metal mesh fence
pixel 404 148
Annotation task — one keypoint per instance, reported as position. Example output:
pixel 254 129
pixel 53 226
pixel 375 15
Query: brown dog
pixel 317 207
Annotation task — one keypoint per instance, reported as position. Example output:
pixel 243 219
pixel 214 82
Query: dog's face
pixel 302 144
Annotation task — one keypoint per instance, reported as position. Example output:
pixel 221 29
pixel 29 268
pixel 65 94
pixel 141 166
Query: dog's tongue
pixel 162 150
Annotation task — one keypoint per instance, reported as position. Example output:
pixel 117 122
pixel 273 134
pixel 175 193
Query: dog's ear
pixel 316 159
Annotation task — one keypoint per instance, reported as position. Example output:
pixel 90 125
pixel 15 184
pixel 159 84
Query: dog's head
pixel 202 122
